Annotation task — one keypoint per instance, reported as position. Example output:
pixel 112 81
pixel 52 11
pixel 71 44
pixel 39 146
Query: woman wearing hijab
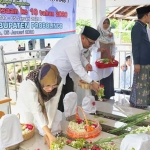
pixel 38 98
pixel 104 42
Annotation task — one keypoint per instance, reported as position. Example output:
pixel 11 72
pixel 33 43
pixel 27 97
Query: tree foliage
pixel 81 23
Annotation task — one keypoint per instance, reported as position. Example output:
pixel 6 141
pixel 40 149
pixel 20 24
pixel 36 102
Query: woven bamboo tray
pixel 85 85
pixel 111 63
pixel 28 135
pixel 87 134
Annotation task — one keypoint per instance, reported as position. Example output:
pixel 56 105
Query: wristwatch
pixel 91 82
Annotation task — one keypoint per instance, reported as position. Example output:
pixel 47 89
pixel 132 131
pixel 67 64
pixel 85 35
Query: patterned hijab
pixel 46 75
pixel 105 34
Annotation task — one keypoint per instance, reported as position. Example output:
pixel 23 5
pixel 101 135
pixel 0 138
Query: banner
pixel 36 19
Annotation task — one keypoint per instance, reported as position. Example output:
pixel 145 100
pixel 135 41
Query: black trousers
pixel 68 87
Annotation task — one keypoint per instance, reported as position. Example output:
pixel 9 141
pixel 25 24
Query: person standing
pixel 124 77
pixel 125 74
pixel 67 56
pixel 140 93
pixel 104 42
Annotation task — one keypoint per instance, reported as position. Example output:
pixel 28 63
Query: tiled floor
pixel 118 105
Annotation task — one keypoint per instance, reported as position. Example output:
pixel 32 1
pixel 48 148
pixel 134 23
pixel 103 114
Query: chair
pixel 6 100
pixel 12 141
pixel 1 114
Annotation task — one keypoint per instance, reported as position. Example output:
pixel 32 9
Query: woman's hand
pixel 110 34
pixel 112 58
pixel 101 49
pixel 49 139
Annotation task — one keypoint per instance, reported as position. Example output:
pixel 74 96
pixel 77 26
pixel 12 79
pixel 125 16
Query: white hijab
pixel 104 33
pixel 96 55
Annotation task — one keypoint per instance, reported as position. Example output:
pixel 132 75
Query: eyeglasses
pixel 51 86
pixel 90 43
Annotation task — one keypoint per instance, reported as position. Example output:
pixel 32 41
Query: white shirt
pixel 28 102
pixel 67 56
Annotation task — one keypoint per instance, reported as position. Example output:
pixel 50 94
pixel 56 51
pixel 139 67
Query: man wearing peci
pixel 67 57
pixel 140 93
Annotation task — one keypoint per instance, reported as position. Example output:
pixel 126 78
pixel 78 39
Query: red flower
pixel 110 35
pixel 29 126
pixel 112 143
pixel 102 86
pixel 93 103
pixel 68 141
pixel 95 148
pixel 79 121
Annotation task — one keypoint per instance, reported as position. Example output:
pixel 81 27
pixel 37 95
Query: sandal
pixel 105 99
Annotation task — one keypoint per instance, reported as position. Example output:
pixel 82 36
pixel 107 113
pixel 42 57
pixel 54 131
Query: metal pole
pixel 7 81
pixel 15 78
pixel 3 89
pixel 22 71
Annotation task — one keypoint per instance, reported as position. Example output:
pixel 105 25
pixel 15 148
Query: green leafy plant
pixel 132 122
pixel 100 92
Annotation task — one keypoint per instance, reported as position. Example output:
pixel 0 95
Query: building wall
pixel 84 9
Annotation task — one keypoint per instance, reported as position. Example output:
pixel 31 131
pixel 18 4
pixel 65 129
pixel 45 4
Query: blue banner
pixel 36 19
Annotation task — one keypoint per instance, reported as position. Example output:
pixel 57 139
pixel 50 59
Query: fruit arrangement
pixel 26 128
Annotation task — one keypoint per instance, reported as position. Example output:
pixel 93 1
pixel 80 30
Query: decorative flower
pixel 68 142
pixel 79 121
pixel 101 86
pixel 93 103
pixel 110 35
